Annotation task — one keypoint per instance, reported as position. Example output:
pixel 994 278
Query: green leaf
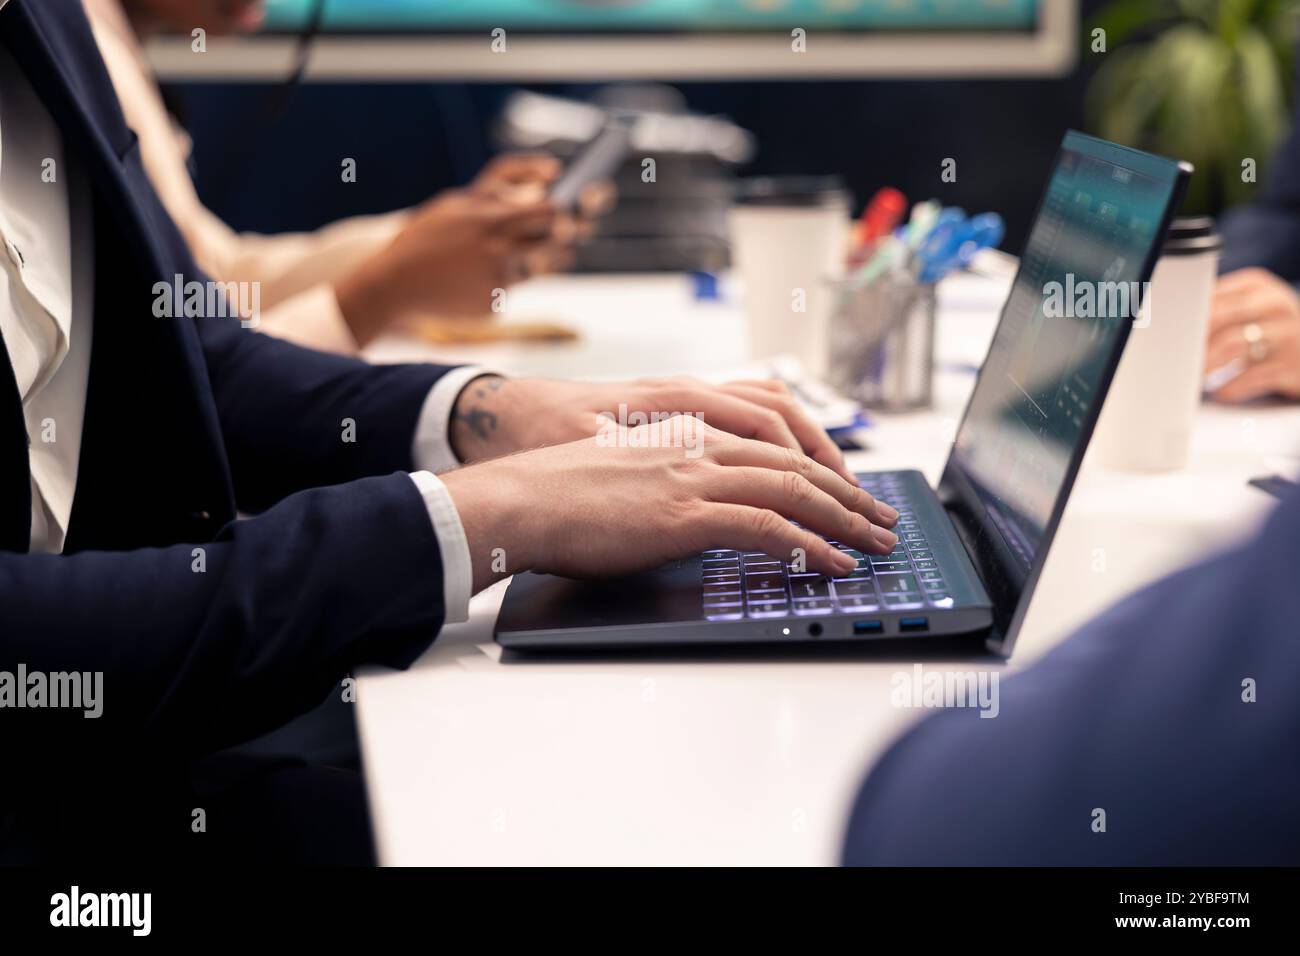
pixel 1123 19
pixel 1203 80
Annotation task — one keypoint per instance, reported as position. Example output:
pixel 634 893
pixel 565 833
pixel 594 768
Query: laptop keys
pixel 896 583
pixel 851 588
pixel 814 606
pixel 805 589
pixel 890 567
pixel 758 583
pixel 751 584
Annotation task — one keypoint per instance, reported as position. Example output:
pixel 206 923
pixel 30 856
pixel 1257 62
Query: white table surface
pixel 473 761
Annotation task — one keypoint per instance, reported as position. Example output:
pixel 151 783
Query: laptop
pixel 969 552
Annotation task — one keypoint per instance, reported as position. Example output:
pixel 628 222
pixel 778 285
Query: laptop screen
pixel 1080 283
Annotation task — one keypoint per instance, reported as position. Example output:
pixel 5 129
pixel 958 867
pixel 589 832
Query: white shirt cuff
pixel 457 573
pixel 432 447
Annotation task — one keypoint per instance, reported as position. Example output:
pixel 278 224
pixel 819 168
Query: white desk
pixel 470 761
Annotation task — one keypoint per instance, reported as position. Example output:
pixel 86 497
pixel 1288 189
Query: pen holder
pixel 882 342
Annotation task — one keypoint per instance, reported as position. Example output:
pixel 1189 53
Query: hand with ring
pixel 1255 325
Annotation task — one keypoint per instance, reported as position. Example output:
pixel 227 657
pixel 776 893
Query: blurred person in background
pixel 1255 313
pixel 339 287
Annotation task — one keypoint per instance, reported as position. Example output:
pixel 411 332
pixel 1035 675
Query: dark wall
pixel 1001 133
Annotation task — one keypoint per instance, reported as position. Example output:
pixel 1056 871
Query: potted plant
pixel 1203 80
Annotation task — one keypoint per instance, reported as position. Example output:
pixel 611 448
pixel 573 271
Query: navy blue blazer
pixel 1266 232
pixel 1142 714
pixel 188 420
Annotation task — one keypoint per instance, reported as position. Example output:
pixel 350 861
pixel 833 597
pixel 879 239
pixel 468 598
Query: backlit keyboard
pixel 750 584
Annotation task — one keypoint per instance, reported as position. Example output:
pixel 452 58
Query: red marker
pixel 883 213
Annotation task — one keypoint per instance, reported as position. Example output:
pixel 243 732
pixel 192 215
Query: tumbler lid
pixel 1192 235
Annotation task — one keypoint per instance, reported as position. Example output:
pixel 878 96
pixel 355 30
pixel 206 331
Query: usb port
pixel 868 627
pixel 914 624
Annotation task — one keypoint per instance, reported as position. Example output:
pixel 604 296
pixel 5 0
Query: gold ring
pixel 1256 343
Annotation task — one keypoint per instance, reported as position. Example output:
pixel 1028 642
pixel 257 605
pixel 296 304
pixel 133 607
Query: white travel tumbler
pixel 1146 422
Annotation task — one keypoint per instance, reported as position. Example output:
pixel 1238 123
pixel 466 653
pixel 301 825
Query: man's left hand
pixel 497 416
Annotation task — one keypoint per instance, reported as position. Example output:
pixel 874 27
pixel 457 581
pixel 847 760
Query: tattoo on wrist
pixel 471 410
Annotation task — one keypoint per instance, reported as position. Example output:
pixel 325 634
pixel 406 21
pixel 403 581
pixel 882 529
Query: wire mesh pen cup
pixel 882 343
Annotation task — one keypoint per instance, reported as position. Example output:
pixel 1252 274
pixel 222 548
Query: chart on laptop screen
pixel 660 15
pixel 1077 287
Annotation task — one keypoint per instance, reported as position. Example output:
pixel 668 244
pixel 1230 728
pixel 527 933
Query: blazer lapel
pixel 15 474
pixel 81 98
pixel 51 40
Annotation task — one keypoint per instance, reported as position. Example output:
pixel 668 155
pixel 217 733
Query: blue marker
pixel 958 245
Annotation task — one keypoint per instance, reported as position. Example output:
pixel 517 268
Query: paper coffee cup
pixel 788 241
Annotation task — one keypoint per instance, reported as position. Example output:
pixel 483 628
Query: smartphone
pixel 599 159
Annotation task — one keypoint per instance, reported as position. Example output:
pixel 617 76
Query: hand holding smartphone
pixel 598 160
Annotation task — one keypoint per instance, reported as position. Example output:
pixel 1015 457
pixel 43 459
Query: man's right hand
pixel 597 508
pixel 450 258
